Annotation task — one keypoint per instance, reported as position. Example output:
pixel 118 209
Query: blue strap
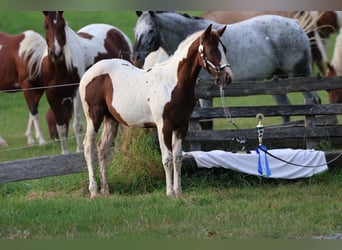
pixel 267 167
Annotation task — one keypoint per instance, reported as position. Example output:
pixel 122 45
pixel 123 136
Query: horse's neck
pixel 75 51
pixel 186 65
pixel 174 31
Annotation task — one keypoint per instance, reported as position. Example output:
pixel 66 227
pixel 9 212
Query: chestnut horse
pixel 335 69
pixel 68 55
pixel 114 91
pixel 19 71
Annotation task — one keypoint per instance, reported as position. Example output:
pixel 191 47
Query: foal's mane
pixel 183 47
pixel 32 50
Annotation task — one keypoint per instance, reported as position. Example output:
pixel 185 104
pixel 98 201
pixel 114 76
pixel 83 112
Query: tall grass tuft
pixel 136 166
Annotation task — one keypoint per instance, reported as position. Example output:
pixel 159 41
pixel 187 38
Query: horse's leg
pixel 206 103
pixel 32 99
pixel 177 163
pixel 62 132
pixel 56 106
pixel 28 133
pixel 89 155
pixel 78 111
pixel 283 100
pixel 110 129
pixel 311 97
pixel 3 143
pixel 166 160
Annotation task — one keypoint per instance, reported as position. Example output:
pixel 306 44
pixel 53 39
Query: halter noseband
pixel 206 61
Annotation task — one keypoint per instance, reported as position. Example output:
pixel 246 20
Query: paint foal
pixel 68 56
pixel 115 91
pixel 19 70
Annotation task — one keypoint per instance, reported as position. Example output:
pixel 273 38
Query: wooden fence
pixel 316 127
pixel 320 120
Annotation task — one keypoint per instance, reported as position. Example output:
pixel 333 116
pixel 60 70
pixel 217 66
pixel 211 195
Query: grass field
pixel 216 204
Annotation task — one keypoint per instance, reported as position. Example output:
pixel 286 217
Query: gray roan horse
pixel 258 48
pixel 113 91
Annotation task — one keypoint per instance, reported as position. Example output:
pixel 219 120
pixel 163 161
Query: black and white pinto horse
pixel 114 91
pixel 68 56
pixel 20 55
pixel 258 48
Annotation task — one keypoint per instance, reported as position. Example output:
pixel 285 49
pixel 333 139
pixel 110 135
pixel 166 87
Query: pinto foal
pixel 114 91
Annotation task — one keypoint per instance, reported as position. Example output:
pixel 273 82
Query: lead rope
pixel 260 131
pixel 229 118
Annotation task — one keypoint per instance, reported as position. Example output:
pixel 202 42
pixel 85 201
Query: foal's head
pixel 213 55
pixel 54 25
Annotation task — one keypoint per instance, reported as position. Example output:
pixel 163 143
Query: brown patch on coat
pixel 98 95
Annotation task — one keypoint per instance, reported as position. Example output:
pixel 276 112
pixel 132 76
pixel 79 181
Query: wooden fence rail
pixel 319 127
pixel 320 122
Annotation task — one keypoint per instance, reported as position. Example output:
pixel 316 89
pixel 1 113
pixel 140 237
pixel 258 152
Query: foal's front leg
pixel 167 162
pixel 177 163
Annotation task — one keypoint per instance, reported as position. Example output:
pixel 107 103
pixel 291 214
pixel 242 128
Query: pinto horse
pixel 20 71
pixel 114 91
pixel 68 56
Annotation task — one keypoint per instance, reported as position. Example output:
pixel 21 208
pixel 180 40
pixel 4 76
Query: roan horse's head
pixel 213 55
pixel 147 36
pixel 54 25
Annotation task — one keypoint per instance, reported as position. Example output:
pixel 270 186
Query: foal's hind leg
pixel 110 129
pixel 78 111
pixel 89 155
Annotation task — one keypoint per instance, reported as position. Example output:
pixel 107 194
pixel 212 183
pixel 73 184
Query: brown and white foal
pixel 114 91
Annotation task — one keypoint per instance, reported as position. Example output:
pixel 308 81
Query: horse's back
pixel 114 37
pixel 260 46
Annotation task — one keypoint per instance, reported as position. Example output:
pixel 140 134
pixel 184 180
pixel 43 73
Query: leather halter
pixel 206 61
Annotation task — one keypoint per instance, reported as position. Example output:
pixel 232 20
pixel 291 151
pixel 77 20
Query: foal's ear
pixel 45 13
pixel 221 31
pixel 208 30
pixel 139 13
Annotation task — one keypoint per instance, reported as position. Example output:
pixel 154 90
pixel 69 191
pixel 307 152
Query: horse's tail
pixel 308 22
pixel 31 51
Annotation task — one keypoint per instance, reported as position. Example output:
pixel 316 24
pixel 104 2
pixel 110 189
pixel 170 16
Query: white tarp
pixel 248 162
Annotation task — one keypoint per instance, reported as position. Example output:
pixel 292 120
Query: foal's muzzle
pixel 224 74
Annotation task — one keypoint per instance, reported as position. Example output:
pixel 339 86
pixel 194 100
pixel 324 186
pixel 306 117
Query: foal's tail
pixel 31 51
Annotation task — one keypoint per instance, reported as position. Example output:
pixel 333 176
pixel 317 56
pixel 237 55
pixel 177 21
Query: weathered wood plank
pixel 274 132
pixel 40 167
pixel 279 110
pixel 269 87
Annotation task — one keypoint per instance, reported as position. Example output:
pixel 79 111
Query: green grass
pixel 231 205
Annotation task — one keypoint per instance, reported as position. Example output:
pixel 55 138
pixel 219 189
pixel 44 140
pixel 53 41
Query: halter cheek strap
pixel 206 61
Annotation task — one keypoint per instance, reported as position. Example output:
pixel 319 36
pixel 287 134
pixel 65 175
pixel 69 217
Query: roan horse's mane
pixel 186 15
